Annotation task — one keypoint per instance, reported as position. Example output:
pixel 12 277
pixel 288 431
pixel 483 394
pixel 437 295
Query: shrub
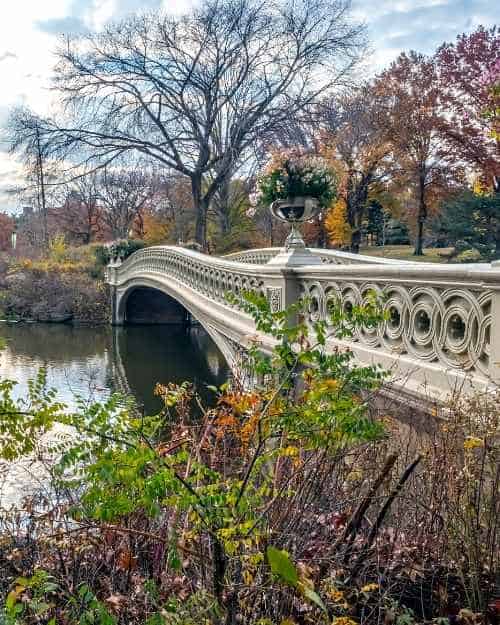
pixel 122 248
pixel 294 174
pixel 58 250
pixel 67 295
pixel 287 502
pixel 468 256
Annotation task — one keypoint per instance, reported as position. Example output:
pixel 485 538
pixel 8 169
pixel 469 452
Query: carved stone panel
pixel 274 298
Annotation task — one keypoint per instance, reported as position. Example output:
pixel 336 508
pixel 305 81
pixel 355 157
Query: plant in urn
pixel 297 187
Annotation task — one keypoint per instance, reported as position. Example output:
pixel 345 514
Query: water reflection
pixel 144 355
pixel 92 362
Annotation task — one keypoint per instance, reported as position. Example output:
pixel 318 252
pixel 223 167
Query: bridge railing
pixel 443 324
pixel 329 257
pixel 445 318
pixel 210 276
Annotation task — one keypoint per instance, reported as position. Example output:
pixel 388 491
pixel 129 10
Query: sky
pixel 29 30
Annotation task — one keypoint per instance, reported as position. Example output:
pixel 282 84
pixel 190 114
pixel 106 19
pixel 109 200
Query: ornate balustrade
pixel 209 276
pixel 443 321
pixel 443 326
pixel 330 257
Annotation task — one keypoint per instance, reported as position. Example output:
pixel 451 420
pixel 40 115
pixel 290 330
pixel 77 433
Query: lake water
pixel 95 361
pixel 92 362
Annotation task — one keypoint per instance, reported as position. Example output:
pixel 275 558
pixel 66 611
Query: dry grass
pixel 405 252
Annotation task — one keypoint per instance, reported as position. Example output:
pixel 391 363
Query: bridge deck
pixel 443 331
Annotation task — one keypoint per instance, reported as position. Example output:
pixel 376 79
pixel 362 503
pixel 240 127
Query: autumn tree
pixel 6 230
pixel 355 138
pixel 337 225
pixel 156 227
pixel 466 70
pixel 412 118
pixel 80 216
pixel 195 92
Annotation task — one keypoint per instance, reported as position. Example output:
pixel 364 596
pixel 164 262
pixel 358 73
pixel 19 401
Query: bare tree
pixel 39 171
pixel 196 92
pixel 80 215
pixel 123 193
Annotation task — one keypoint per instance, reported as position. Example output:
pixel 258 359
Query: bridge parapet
pixel 443 330
pixel 328 257
pixel 444 320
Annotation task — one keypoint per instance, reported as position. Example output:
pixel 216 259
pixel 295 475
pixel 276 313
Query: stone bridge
pixel 442 334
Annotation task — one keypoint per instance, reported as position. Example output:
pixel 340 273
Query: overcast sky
pixel 29 30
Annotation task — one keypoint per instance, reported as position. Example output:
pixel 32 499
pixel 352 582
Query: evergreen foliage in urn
pixel 294 174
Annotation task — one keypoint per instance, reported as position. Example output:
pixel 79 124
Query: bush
pixel 288 502
pixel 122 249
pixel 468 256
pixel 58 250
pixel 68 295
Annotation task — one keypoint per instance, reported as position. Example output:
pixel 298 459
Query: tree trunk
pixel 322 237
pixel 356 231
pixel 201 208
pixel 497 243
pixel 41 177
pixel 422 216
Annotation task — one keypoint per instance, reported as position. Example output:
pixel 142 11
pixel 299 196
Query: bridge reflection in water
pixel 145 355
pixel 97 360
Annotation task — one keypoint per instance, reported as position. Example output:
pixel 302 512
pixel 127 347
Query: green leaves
pixel 282 566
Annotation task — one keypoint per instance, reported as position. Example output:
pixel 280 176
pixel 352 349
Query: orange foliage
pixel 6 229
pixel 155 229
pixel 336 224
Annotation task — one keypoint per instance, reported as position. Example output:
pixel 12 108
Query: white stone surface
pixel 444 327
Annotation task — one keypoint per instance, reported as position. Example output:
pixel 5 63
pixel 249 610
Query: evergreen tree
pixel 376 222
pixel 473 222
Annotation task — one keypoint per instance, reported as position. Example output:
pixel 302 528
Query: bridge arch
pixel 131 307
pixel 151 306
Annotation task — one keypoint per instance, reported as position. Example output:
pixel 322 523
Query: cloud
pixel 67 25
pixel 421 25
pixel 7 55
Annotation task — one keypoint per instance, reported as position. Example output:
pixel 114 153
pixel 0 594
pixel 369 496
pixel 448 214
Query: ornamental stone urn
pixel 295 210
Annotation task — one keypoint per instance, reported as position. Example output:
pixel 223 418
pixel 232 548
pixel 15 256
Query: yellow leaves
pixel 473 442
pixel 14 595
pixel 239 415
pixel 336 224
pixel 241 402
pixel 290 451
pixel 355 475
pixel 330 384
pixel 337 596
pixel 50 266
pixel 249 428
pixel 226 422
pixel 344 620
pixel 369 588
pixel 256 558
pixel 156 229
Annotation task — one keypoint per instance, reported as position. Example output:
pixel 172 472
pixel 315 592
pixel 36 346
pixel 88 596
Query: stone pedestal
pixel 294 257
